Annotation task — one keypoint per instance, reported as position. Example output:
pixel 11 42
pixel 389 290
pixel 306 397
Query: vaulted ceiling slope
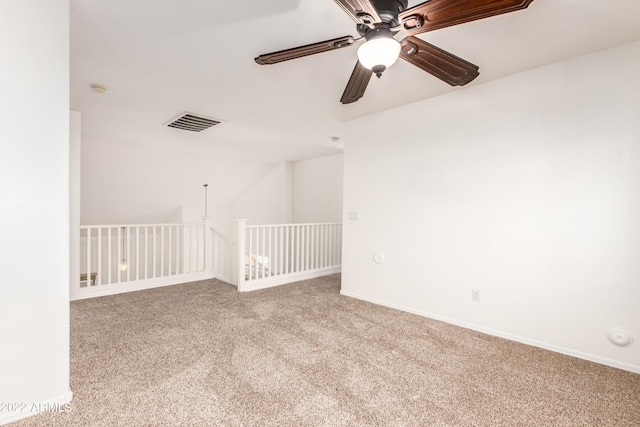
pixel 160 58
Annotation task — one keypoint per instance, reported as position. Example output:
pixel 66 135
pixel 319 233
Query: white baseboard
pixel 558 349
pixel 269 282
pixel 33 408
pixel 104 290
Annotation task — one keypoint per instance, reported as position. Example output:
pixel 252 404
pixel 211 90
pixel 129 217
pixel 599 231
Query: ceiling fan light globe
pixel 379 51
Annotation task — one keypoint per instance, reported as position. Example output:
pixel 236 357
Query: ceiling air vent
pixel 193 123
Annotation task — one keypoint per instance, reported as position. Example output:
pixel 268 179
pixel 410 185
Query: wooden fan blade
pixel 435 14
pixel 299 52
pixel 440 63
pixel 361 11
pixel 357 84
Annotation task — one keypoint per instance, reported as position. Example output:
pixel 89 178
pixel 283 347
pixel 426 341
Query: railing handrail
pixel 292 224
pixel 84 227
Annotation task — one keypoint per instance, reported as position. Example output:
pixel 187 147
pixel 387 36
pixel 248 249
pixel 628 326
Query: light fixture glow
pixel 379 53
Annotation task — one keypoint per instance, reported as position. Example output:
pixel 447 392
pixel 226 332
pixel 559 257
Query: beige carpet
pixel 202 354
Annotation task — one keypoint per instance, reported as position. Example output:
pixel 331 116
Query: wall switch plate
pixel 475 295
pixel 354 216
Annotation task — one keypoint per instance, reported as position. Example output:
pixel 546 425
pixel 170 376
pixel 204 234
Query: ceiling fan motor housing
pixel 389 10
pixel 378 33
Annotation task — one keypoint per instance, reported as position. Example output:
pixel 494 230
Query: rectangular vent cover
pixel 193 123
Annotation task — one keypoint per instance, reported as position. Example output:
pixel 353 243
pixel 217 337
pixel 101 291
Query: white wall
pixel 302 191
pixel 131 183
pixel 317 189
pixel 34 203
pixel 75 142
pixel 526 189
pixel 269 199
pixel 219 217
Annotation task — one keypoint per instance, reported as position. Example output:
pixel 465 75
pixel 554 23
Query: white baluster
pixel 180 252
pixel 308 247
pixel 275 250
pixel 286 242
pixel 325 245
pixel 250 263
pixel 329 244
pixel 163 251
pixel 109 253
pixel 128 252
pixel 297 252
pixel 154 253
pixel 241 253
pixel 170 229
pixel 137 253
pixel 88 257
pixel 280 249
pixel 197 257
pixel 146 252
pixel 99 270
pixel 119 254
pixel 313 250
pixel 263 251
pixel 340 244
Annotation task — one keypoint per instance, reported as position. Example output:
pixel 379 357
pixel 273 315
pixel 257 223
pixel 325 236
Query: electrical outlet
pixel 475 295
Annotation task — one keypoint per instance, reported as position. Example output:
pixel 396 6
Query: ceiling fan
pixel 378 21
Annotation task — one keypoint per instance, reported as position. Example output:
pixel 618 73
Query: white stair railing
pixel 275 254
pixel 121 258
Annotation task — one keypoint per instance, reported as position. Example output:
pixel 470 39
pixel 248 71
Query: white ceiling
pixel 160 58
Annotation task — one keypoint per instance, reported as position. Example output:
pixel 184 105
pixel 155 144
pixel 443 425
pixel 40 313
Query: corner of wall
pixel 267 201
